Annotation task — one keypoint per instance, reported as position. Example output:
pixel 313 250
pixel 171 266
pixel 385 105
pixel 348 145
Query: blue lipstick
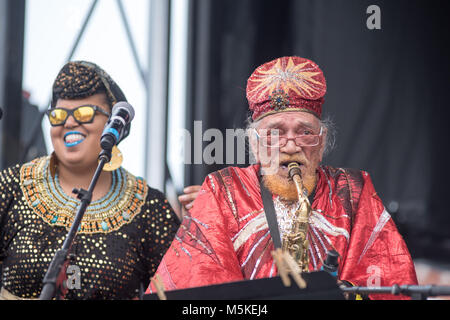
pixel 74 143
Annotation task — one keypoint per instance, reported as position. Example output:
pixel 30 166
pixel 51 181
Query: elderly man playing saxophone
pixel 226 235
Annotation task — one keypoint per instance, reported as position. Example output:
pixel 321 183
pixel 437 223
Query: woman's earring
pixel 53 164
pixel 116 160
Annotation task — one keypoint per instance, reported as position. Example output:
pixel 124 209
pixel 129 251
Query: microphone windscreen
pixel 124 105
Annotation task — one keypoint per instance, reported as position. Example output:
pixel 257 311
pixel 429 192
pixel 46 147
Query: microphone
pixel 121 115
pixel 331 264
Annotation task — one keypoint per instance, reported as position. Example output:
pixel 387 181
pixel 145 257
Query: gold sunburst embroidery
pixel 298 78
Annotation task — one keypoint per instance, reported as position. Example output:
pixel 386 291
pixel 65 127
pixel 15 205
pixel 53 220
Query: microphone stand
pixel 54 280
pixel 414 291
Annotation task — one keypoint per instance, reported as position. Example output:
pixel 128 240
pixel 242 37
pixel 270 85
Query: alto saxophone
pixel 295 242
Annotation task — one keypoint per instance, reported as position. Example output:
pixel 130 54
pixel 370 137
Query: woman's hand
pixel 187 199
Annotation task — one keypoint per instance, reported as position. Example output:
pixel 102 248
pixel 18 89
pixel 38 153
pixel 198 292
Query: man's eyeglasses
pixel 82 114
pixel 271 138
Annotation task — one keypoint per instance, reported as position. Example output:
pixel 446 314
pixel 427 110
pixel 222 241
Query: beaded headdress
pixel 82 79
pixel 286 84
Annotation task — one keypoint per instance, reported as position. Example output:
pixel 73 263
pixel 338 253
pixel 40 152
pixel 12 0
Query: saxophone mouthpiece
pixel 294 169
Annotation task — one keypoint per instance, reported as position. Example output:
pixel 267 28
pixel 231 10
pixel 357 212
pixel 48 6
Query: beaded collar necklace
pixel 47 199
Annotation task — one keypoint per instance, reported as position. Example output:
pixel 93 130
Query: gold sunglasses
pixel 81 114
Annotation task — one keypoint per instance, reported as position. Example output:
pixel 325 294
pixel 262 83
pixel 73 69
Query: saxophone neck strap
pixel 271 216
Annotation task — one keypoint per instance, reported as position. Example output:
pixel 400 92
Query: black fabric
pixel 387 91
pixel 271 216
pixel 12 30
pixel 113 264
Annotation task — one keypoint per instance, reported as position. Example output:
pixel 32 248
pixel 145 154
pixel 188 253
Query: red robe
pixel 226 237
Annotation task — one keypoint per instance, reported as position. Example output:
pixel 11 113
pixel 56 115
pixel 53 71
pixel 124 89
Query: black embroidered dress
pixel 122 237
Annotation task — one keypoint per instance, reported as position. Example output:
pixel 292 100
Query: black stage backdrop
pixel 386 95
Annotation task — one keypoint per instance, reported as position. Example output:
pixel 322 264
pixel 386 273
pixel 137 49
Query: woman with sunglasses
pixel 126 229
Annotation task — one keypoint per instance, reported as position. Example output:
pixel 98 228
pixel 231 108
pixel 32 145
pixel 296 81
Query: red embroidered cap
pixel 286 84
